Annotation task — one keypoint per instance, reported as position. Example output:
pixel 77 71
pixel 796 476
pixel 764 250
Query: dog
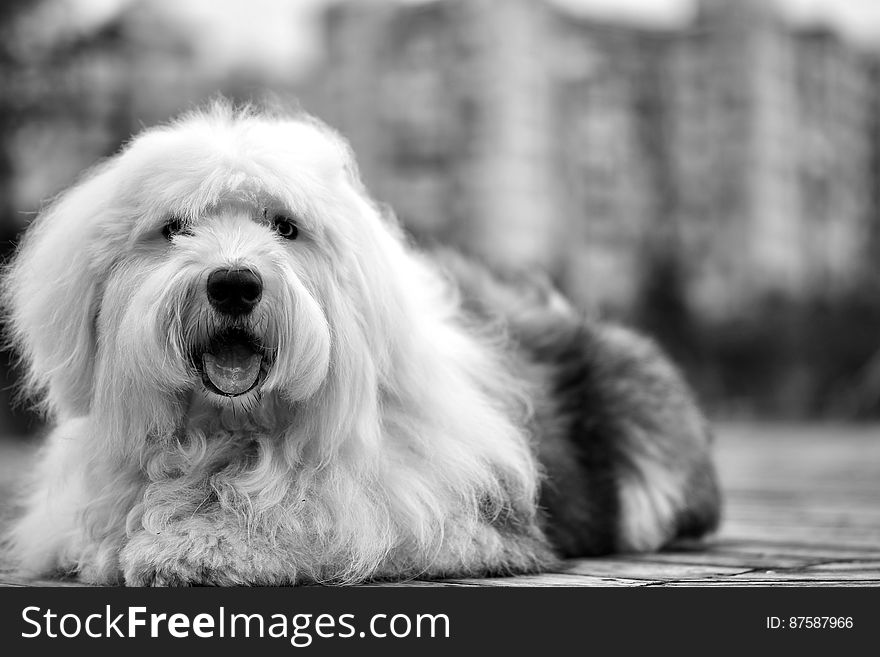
pixel 255 378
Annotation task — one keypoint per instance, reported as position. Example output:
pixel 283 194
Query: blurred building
pixel 737 150
pixel 447 106
pixel 737 147
pixel 773 154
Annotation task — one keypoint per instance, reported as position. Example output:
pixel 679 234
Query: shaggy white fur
pixel 385 436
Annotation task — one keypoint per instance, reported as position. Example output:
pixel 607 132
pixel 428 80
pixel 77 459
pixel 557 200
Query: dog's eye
pixel 285 227
pixel 174 226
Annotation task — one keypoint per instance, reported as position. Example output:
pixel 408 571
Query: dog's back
pixel 623 446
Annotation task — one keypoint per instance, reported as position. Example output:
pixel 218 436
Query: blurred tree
pixel 10 106
pixel 662 309
pixel 12 422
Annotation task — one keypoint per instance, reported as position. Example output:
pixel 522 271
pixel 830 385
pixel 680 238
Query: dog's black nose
pixel 234 291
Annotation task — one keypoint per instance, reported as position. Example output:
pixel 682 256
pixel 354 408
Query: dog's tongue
pixel 232 368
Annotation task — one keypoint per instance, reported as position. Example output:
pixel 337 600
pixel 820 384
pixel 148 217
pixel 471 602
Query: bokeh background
pixel 707 170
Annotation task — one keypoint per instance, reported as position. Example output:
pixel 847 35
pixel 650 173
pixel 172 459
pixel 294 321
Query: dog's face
pixel 233 258
pixel 230 301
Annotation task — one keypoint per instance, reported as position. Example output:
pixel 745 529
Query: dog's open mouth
pixel 232 364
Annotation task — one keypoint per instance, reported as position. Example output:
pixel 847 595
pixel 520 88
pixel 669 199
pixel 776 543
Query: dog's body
pixel 256 380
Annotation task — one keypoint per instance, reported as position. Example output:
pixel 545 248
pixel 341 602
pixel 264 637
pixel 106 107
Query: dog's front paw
pixel 149 575
pixel 171 559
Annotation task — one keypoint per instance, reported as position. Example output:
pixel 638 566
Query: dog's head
pixel 229 256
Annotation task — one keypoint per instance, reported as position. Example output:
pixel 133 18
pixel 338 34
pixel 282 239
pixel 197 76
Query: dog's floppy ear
pixel 51 296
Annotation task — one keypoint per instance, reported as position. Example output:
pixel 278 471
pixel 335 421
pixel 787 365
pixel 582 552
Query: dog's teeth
pixel 232 370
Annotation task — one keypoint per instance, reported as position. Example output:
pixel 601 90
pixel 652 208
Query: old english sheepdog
pixel 254 378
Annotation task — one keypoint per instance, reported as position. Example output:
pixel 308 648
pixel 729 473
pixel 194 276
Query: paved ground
pixel 802 509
